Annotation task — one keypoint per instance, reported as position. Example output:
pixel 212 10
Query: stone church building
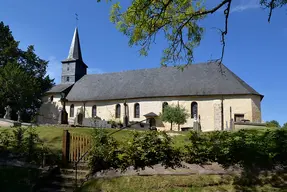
pixel 211 94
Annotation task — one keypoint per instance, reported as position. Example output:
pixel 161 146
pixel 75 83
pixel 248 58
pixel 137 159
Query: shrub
pixel 250 149
pixel 144 149
pixel 23 143
pixel 151 148
pixel 253 150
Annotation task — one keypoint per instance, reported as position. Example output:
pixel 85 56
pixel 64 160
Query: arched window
pixel 94 111
pixel 72 110
pixel 164 105
pixel 118 111
pixel 68 79
pixel 194 110
pixel 137 110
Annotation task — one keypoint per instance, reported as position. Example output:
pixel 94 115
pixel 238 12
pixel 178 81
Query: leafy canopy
pixel 179 22
pixel 174 114
pixel 23 78
pixel 273 124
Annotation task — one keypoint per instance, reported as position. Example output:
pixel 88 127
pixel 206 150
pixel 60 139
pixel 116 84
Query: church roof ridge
pixel 196 80
pixel 155 68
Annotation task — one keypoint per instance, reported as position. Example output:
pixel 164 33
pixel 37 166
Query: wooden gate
pixel 74 147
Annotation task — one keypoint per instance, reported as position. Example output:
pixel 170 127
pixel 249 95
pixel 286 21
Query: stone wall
pixel 242 125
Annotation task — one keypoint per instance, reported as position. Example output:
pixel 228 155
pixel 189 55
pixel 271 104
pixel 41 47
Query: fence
pixel 74 147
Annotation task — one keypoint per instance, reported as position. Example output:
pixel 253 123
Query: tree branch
pixel 271 6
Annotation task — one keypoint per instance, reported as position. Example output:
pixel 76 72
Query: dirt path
pixel 189 169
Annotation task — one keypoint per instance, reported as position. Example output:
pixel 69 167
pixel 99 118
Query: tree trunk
pixel 171 126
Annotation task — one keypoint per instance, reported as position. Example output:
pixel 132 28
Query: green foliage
pixel 150 148
pixel 5 139
pixel 23 79
pixel 174 114
pixel 18 139
pixel 250 149
pixel 178 21
pixel 105 152
pixel 24 144
pixel 144 149
pixel 273 123
pixel 284 125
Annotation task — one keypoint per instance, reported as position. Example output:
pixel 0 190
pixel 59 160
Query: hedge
pixel 251 149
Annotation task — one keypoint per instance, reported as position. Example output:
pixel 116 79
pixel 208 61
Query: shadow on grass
pixel 17 178
pixel 95 185
pixel 258 181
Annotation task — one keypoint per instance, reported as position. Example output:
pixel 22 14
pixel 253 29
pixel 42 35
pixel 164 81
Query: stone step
pixel 80 166
pixel 61 177
pixel 73 172
pixel 61 184
pixel 55 190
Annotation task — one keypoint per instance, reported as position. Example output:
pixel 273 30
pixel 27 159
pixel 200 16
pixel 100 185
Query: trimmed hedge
pixel 263 149
pixel 250 149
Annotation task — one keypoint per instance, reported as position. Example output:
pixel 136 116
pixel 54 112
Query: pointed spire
pixel 75 49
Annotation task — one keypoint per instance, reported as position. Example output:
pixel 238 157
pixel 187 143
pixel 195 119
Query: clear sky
pixel 256 50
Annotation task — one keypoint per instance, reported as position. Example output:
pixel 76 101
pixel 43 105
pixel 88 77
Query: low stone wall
pixel 8 123
pixel 248 125
pixel 90 122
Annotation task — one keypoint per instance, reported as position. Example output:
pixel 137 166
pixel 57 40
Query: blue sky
pixel 255 51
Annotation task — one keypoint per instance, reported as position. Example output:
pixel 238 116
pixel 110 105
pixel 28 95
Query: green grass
pixel 192 183
pixel 52 136
pixel 17 178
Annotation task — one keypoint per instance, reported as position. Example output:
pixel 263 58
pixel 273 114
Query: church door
pixel 152 122
pixel 80 118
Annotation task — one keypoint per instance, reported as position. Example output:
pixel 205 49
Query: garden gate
pixel 74 147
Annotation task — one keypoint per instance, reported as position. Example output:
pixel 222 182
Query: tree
pixel 174 114
pixel 273 124
pixel 284 125
pixel 23 79
pixel 178 20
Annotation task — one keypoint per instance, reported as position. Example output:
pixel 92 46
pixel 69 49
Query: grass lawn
pixel 17 178
pixel 192 183
pixel 52 136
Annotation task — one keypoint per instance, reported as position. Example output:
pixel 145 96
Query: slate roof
pixel 59 88
pixel 151 114
pixel 75 52
pixel 196 79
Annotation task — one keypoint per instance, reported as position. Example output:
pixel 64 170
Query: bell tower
pixel 74 68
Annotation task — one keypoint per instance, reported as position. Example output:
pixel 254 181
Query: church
pixel 211 94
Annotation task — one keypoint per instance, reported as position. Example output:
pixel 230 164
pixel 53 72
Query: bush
pixel 251 149
pixel 23 144
pixel 144 149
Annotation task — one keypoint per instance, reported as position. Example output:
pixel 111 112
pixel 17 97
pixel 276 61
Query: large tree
pixel 178 20
pixel 23 78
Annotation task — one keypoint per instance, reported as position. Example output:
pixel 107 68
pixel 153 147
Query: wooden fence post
pixel 65 147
